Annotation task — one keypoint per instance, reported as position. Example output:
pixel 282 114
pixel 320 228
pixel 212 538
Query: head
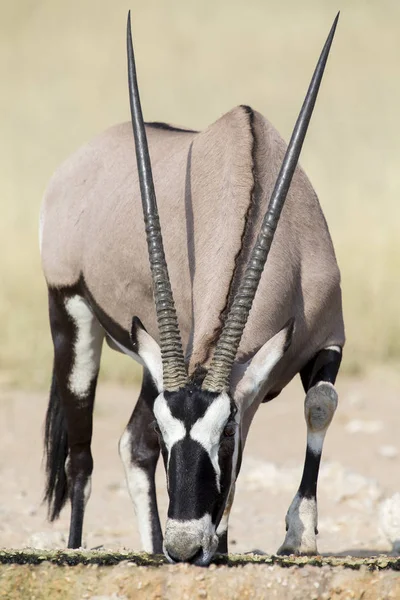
pixel 198 420
pixel 199 432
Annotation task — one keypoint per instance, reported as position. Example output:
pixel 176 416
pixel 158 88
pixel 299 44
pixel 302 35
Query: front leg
pixel 319 407
pixel 139 450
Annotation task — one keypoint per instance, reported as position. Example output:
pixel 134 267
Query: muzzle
pixel 193 541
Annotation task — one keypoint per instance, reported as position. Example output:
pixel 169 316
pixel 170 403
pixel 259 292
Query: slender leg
pixel 77 338
pixel 139 450
pixel 318 379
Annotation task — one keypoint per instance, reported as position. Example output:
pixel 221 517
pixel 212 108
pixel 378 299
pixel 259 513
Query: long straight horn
pixel 174 369
pixel 218 376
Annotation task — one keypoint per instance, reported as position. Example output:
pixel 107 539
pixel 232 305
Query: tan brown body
pixel 212 191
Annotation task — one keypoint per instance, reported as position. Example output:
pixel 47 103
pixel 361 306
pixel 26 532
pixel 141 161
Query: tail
pixel 56 450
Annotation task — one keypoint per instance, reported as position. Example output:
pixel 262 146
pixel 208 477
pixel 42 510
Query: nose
pixel 182 548
pixel 196 556
pixel 193 541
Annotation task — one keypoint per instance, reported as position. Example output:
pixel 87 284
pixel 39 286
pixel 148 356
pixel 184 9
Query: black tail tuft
pixel 56 450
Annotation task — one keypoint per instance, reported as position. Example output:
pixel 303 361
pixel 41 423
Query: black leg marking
pixel 323 367
pixel 223 543
pixel 318 378
pixel 76 397
pixel 308 485
pixel 140 450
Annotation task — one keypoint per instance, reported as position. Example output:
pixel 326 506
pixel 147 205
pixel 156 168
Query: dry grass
pixel 62 67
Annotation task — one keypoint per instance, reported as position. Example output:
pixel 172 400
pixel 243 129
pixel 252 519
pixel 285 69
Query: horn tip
pixel 335 22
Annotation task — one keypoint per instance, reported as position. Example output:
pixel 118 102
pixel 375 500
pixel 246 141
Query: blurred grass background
pixel 63 80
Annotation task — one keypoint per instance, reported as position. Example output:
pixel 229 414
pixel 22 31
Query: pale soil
pixel 361 467
pixel 184 582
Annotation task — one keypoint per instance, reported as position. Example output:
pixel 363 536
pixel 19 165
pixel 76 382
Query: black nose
pixel 190 559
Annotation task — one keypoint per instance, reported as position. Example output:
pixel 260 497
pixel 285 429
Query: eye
pixel 230 429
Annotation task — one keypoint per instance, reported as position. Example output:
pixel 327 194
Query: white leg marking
pixel 183 538
pixel 207 430
pixel 315 440
pixel 335 348
pixel 139 491
pixel 301 521
pixel 87 348
pixel 172 429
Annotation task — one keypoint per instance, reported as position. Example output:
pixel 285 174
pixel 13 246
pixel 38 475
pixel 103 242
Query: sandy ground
pixel 127 581
pixel 361 468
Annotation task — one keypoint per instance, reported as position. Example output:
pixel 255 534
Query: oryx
pixel 204 380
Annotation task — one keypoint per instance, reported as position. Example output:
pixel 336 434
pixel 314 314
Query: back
pixel 212 190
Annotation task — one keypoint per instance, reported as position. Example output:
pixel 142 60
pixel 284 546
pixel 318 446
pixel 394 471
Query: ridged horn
pixel 174 369
pixel 218 376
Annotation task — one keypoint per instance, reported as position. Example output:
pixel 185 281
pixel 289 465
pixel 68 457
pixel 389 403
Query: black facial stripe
pixel 192 481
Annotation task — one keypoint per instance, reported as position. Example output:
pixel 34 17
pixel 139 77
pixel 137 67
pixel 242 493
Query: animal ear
pixel 147 351
pixel 248 378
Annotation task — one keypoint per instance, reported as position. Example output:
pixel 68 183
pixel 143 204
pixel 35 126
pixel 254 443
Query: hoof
pixel 287 550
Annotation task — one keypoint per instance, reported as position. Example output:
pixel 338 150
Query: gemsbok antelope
pixel 220 193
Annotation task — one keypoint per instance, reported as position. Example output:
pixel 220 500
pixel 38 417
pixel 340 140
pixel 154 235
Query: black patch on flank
pixel 245 247
pixel 167 127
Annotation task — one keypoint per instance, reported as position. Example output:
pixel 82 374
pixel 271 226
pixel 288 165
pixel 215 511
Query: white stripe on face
pixel 87 347
pixel 139 491
pixel 172 429
pixel 207 430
